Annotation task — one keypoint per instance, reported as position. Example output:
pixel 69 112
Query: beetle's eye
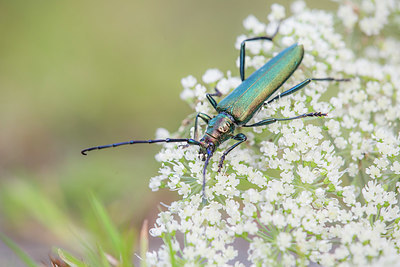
pixel 224 128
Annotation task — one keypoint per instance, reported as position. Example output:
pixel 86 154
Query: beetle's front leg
pixel 239 137
pixel 205 118
pixel 212 100
pixel 202 116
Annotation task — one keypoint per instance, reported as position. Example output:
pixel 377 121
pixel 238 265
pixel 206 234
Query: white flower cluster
pixel 371 15
pixel 316 190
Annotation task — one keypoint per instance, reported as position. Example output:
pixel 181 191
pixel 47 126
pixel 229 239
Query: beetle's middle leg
pixel 239 137
pixel 301 85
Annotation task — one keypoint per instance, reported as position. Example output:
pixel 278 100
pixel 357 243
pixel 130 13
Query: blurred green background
pixel 75 74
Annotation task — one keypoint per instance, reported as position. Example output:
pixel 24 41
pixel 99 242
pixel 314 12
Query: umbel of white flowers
pixel 317 190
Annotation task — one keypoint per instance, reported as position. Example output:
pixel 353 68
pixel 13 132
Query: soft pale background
pixel 75 74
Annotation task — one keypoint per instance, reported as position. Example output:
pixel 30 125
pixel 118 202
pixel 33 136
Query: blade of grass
pixel 122 250
pixel 70 260
pixel 18 251
pixel 144 242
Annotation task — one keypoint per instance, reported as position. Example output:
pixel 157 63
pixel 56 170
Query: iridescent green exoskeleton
pixel 237 108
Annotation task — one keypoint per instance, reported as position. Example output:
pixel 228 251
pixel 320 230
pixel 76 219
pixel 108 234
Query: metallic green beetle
pixel 237 108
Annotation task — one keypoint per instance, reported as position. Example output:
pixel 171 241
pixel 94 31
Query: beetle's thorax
pixel 219 129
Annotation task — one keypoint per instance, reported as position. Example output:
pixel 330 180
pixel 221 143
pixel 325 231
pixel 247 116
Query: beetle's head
pixel 219 129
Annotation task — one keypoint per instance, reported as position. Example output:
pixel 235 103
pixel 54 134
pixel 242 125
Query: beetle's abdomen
pixel 250 95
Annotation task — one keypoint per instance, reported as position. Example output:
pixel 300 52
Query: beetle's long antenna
pixel 132 142
pixel 209 155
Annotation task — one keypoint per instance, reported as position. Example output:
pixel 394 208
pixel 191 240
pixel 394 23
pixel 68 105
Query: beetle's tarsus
pixel 316 114
pixel 221 162
pixel 204 201
pixel 330 79
pixel 217 92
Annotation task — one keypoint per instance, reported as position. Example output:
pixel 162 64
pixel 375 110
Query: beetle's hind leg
pixel 301 85
pixel 243 49
pixel 273 120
